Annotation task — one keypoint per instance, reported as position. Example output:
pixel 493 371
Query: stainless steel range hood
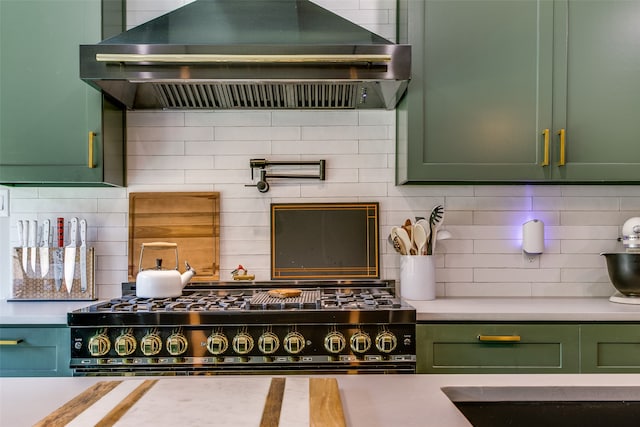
pixel 229 54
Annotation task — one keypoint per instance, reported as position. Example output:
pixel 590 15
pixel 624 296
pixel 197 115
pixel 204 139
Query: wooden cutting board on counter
pixel 189 219
pixel 222 401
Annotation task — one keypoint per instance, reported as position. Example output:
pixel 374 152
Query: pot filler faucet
pixel 262 164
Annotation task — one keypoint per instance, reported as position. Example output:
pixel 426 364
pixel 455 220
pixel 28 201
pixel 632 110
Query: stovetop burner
pixel 223 300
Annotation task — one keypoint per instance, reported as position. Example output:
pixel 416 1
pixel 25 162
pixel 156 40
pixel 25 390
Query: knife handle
pixel 60 232
pixel 20 233
pixel 46 229
pixel 73 234
pixel 33 233
pixel 83 232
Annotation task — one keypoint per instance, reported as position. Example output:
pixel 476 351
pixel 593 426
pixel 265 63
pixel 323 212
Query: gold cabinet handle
pixel 499 338
pixel 91 136
pixel 11 342
pixel 545 161
pixel 563 140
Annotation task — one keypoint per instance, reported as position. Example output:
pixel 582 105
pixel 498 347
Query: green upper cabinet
pixel 54 128
pixel 597 90
pixel 494 83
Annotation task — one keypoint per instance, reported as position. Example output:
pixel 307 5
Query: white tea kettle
pixel 158 282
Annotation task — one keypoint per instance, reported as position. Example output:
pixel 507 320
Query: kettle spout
pixel 187 275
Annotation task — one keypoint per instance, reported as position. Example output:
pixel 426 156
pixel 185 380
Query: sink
pixel 547 406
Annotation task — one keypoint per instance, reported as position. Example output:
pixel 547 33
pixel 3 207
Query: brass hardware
pixel 91 136
pixel 499 338
pixel 239 59
pixel 11 342
pixel 563 138
pixel 545 162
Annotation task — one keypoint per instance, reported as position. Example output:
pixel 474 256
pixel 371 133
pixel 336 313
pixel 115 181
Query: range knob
pixel 360 342
pixel 177 344
pixel 386 342
pixel 242 343
pixel 294 342
pixel 151 344
pixel 125 344
pixel 268 343
pixel 335 342
pixel 217 343
pixel 99 344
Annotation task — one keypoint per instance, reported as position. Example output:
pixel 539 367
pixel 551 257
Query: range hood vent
pixel 248 54
pixel 256 95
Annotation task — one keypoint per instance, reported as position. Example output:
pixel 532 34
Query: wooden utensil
pixel 420 238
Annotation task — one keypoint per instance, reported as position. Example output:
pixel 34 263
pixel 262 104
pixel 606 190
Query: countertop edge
pixel 534 309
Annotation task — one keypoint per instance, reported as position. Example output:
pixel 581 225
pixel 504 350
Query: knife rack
pixel 31 286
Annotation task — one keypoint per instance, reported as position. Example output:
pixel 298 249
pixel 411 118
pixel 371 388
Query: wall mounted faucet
pixel 263 164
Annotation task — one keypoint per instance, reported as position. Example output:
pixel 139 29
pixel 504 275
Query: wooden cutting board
pixel 246 401
pixel 190 219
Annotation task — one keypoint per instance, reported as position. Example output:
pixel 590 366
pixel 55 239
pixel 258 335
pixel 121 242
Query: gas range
pixel 226 327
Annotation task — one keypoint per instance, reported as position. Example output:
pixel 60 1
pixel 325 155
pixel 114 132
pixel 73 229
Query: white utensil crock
pixel 417 277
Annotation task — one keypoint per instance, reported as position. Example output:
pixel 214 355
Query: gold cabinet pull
pixel 91 136
pixel 499 338
pixel 545 161
pixel 11 342
pixel 563 140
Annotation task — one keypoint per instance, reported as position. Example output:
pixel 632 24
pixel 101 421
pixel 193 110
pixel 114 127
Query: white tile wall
pixel 210 151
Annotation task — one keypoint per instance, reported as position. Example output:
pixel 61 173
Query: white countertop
pixel 38 312
pixel 368 400
pixel 525 309
pixel 441 309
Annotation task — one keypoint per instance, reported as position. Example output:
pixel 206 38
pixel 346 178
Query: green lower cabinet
pixel 35 351
pixel 498 348
pixel 610 348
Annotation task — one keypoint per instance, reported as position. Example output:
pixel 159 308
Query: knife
pixel 83 255
pixel 22 234
pixel 44 248
pixel 70 255
pixel 33 247
pixel 57 255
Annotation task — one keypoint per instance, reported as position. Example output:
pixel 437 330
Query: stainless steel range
pixel 231 328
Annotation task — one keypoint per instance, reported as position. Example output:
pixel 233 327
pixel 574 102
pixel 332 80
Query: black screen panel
pixel 324 241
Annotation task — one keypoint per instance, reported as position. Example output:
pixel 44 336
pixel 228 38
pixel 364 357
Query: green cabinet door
pixel 520 91
pixel 35 351
pixel 480 92
pixel 597 90
pixel 52 129
pixel 497 348
pixel 610 348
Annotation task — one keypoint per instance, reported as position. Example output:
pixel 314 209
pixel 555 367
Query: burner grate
pixel 308 299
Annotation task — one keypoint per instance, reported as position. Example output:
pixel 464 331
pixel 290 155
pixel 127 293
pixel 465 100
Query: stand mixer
pixel 624 268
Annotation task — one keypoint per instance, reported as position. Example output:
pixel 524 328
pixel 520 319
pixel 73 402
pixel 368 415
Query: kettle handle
pixel 157 245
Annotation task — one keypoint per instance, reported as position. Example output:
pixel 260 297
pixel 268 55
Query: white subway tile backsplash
pixel 251 133
pixel 487 290
pixel 228 118
pixel 155 177
pixel 170 162
pixel 215 176
pixel 169 133
pixel 210 151
pixel 314 118
pixel 588 274
pixel 577 203
pixel 328 133
pixel 551 290
pixel 516 275
pixel 249 148
pixel 155 118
